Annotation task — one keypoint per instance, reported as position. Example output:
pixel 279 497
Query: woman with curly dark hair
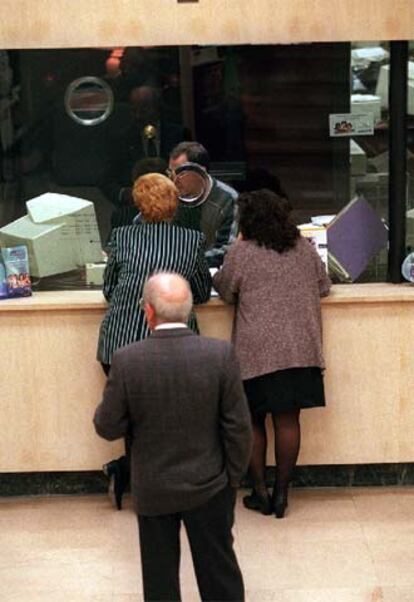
pixel 276 278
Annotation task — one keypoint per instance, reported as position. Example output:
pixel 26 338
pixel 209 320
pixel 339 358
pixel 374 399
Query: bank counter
pixel 51 382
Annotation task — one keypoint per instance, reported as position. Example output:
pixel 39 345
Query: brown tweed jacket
pixel 181 397
pixel 278 312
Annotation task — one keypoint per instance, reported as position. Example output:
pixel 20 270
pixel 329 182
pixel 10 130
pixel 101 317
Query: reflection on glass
pixel 193 184
pixel 369 155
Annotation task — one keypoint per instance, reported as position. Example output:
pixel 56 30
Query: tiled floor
pixel 335 545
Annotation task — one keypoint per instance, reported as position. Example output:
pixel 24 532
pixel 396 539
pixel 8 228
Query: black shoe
pixel 257 502
pixel 280 502
pixel 115 471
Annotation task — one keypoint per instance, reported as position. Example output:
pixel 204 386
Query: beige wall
pixel 76 23
pixel 50 382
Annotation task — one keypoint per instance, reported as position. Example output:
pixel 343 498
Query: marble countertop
pixel 93 299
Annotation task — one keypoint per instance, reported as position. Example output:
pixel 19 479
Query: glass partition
pixel 410 151
pixel 310 120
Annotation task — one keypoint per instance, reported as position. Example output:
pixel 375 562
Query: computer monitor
pixel 383 87
pixel 60 232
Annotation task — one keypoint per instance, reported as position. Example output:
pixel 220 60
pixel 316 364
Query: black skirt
pixel 285 390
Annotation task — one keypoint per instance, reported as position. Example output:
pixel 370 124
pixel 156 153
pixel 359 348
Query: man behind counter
pixel 217 216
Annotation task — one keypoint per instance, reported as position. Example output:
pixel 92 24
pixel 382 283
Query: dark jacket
pixel 135 253
pixel 181 398
pixel 219 221
pixel 216 218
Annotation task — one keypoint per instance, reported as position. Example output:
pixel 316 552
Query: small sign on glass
pixel 351 124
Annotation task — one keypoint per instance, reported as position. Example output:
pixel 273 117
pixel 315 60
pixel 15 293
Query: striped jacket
pixel 135 253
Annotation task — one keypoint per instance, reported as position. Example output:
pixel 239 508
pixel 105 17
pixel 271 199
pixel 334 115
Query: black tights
pixel 287 443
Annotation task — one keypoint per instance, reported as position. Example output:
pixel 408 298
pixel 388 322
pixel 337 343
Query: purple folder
pixel 355 236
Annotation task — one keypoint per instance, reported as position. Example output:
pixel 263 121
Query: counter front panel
pixel 51 382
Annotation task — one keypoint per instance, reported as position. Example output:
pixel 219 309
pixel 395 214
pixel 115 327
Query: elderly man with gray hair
pixel 181 397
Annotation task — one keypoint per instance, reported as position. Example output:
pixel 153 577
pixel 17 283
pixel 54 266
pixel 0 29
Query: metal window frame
pixel 397 200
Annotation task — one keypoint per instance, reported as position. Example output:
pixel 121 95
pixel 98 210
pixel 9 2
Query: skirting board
pixel 89 482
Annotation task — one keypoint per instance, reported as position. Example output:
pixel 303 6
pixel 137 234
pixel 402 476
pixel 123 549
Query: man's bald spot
pixel 170 297
pixel 172 288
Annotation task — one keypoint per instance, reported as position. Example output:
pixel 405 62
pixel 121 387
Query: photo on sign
pixel 351 124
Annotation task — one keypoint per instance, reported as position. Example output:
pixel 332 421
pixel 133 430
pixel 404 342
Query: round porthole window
pixel 89 100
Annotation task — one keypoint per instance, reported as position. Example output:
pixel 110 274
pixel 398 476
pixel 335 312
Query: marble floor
pixel 335 545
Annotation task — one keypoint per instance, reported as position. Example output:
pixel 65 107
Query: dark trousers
pixel 209 531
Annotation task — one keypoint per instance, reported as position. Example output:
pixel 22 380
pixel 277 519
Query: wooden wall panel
pixel 76 23
pixel 50 382
pixel 49 388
